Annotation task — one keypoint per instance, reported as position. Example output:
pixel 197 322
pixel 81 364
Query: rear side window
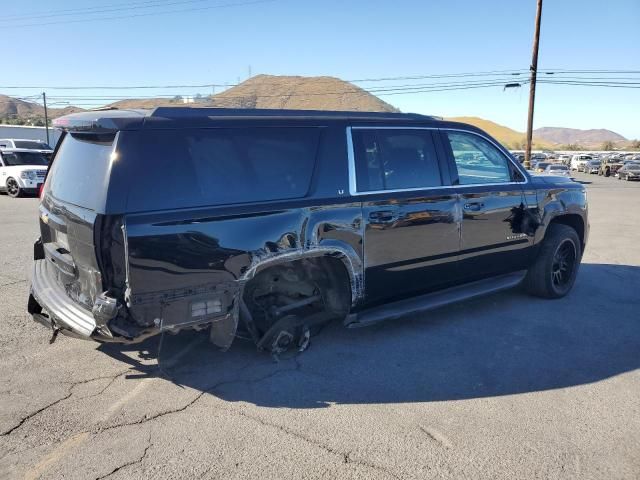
pixel 79 174
pixel 217 166
pixel 394 159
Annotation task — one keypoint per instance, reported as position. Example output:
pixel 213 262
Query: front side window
pixel 478 161
pixel 394 159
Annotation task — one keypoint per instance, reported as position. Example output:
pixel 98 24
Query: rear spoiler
pixel 101 121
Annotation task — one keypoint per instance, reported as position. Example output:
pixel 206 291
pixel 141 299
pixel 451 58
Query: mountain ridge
pixel 317 93
pixel 587 137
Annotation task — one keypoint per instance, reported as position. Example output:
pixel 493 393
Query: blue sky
pixel 348 39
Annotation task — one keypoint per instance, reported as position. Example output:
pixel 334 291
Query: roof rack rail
pixel 190 112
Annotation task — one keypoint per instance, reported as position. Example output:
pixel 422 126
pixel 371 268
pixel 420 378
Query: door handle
pixel 474 206
pixel 382 216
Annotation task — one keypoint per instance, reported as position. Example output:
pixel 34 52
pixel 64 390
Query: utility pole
pixel 532 86
pixel 46 116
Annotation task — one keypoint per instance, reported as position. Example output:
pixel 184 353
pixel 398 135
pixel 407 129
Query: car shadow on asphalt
pixel 503 344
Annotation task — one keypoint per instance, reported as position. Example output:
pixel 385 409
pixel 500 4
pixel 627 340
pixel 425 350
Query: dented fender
pixel 176 262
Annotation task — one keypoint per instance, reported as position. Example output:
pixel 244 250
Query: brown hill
pixel 271 91
pixel 508 137
pixel 311 93
pixel 15 109
pixel 586 138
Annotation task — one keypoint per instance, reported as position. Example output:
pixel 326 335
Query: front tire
pixel 12 187
pixel 554 271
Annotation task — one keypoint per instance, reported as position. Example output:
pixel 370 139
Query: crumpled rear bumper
pixel 58 310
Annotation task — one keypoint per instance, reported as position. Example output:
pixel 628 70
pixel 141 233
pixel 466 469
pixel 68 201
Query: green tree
pixel 571 147
pixel 608 145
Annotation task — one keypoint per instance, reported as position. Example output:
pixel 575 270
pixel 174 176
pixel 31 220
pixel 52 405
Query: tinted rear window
pixel 32 145
pixel 217 166
pixel 80 170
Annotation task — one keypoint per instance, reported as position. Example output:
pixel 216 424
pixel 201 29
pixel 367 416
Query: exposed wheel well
pixel 574 221
pixel 293 281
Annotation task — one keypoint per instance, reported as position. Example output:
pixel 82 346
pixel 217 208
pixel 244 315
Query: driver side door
pixel 493 204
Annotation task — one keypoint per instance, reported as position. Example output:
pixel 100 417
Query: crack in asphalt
pixel 61 399
pixel 33 414
pixel 188 404
pixel 112 378
pixel 346 457
pixel 13 283
pixel 133 462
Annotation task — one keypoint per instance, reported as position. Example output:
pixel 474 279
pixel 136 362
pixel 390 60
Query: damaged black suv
pixel 266 223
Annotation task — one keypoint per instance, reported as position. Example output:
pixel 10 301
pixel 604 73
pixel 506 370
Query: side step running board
pixel 433 300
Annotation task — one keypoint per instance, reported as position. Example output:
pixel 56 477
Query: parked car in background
pixel 610 166
pixel 566 159
pixel 557 169
pixel 579 160
pixel 592 166
pixel 22 171
pixel 27 144
pixel 541 166
pixel 269 222
pixel 630 171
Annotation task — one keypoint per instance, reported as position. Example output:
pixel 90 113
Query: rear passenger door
pixel 493 206
pixel 411 234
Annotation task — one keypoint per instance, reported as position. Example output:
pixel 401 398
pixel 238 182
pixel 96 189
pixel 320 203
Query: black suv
pixel 266 223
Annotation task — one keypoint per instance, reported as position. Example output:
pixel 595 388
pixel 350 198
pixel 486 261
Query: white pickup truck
pixel 22 171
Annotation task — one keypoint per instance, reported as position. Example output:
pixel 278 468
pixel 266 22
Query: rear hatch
pixel 72 199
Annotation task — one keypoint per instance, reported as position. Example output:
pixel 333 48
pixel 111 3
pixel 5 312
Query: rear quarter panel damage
pixel 177 259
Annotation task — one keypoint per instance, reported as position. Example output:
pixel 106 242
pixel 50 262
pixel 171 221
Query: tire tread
pixel 538 280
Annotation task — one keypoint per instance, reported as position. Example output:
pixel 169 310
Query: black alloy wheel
pixel 13 189
pixel 564 264
pixel 554 272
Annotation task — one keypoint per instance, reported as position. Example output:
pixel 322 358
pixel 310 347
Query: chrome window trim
pixel 501 149
pixel 352 165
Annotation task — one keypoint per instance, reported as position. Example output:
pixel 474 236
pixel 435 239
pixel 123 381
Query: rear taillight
pixel 40 190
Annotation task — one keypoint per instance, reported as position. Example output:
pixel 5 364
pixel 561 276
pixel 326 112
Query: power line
pixel 372 90
pixel 209 85
pixel 97 9
pixel 225 5
pixel 493 74
pixel 409 88
pixel 382 91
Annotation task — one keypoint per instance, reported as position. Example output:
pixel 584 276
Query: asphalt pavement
pixel 503 387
